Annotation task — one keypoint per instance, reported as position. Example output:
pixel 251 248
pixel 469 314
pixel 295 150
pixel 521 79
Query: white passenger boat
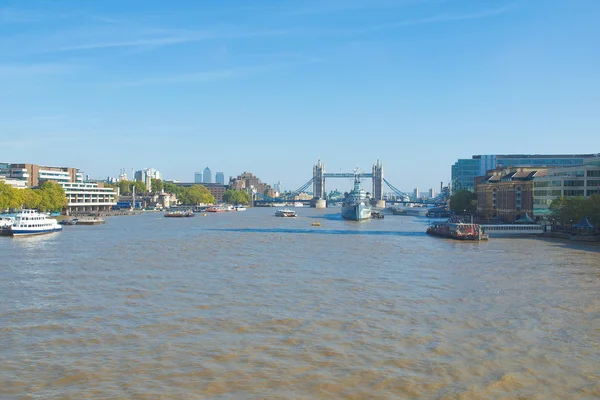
pixel 6 222
pixel 31 222
pixel 240 208
pixel 298 204
pixel 285 213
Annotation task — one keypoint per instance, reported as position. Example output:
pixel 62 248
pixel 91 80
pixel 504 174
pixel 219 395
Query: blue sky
pixel 271 86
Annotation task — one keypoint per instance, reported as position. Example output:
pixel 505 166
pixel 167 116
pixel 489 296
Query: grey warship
pixel 357 203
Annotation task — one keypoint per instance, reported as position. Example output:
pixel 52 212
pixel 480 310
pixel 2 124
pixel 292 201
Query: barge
pixel 454 228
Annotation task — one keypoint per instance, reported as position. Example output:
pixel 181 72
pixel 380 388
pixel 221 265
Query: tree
pixel 463 201
pixel 52 197
pixel 124 187
pixel 170 187
pixel 573 209
pixel 140 187
pixel 9 197
pixel 197 194
pixel 157 185
pixel 30 198
pixel 236 197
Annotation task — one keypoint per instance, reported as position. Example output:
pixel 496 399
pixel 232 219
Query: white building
pixel 417 193
pixel 146 176
pixel 88 197
pixel 432 193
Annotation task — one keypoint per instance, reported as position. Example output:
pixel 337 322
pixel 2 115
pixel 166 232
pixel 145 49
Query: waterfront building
pixel 207 175
pixel 34 175
pixel 464 171
pixel 88 197
pixel 506 194
pixel 249 183
pixel 220 178
pixel 197 177
pixel 576 181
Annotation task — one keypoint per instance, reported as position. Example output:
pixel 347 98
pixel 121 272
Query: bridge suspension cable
pixel 397 191
pixel 286 196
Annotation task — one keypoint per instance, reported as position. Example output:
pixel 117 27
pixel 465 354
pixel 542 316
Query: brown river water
pixel 249 306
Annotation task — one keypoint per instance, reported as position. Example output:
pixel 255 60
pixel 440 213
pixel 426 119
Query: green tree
pixel 567 210
pixel 463 201
pixel 52 197
pixel 170 187
pixel 236 197
pixel 157 185
pixel 9 197
pixel 140 187
pixel 195 195
pixel 124 187
pixel 30 198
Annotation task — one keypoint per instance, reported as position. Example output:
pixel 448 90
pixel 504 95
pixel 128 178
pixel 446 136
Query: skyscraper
pixel 417 193
pixel 197 177
pixel 207 175
pixel 220 178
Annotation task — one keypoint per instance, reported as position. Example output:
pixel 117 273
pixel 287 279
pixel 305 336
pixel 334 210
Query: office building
pixel 417 193
pixel 432 193
pixel 464 171
pixel 88 197
pixel 249 183
pixel 576 181
pixel 34 175
pixel 197 177
pixel 220 178
pixel 207 176
pixel 146 176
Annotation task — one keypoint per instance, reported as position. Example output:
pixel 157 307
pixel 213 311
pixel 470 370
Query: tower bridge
pixel 319 193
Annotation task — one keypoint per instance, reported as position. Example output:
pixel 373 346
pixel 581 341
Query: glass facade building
pixel 465 170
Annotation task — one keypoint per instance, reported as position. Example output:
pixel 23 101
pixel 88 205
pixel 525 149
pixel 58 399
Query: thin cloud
pixel 170 37
pixel 16 71
pixel 445 18
pixel 205 76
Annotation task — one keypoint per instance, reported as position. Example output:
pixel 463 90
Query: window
pixel 593 173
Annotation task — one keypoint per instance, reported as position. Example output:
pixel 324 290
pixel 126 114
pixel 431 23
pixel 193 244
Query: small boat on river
pixel 179 214
pixel 287 213
pixel 90 221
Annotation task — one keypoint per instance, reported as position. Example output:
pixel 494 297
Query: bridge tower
pixel 319 180
pixel 378 184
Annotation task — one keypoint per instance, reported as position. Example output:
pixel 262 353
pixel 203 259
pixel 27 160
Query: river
pixel 249 306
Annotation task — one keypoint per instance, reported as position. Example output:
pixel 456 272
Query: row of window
pixel 512 228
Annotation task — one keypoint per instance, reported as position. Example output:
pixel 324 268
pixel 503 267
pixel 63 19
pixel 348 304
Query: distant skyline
pixel 271 87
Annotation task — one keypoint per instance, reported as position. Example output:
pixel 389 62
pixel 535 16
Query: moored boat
pixel 454 228
pixel 357 203
pixel 179 214
pixel 240 208
pixel 31 222
pixel 285 213
pixel 90 221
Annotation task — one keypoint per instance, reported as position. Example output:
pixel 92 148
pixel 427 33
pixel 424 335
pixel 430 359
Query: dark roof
pixel 525 219
pixel 584 223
